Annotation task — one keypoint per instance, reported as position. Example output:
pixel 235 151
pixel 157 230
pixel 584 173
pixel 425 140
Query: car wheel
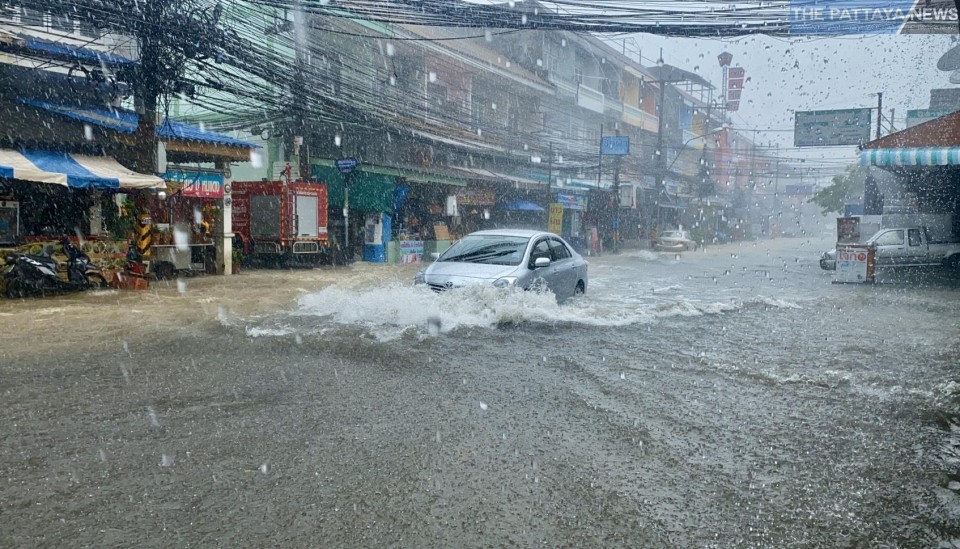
pixel 580 289
pixel 96 281
pixel 14 288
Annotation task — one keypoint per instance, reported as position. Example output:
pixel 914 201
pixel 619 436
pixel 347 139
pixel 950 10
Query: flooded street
pixel 731 397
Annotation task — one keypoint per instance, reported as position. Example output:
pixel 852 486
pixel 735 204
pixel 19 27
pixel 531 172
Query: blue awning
pixel 72 170
pixel 925 156
pixel 522 206
pixel 59 49
pixel 126 122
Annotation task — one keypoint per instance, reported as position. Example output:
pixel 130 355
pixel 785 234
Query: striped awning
pixel 925 156
pixel 72 170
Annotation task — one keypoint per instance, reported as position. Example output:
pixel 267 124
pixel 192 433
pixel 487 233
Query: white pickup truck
pixel 906 247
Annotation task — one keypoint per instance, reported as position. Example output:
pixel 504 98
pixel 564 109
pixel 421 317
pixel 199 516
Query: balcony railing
pixel 640 118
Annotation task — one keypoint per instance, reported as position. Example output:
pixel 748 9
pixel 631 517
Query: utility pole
pixel 879 112
pixel 148 85
pixel 661 161
pixel 600 158
pixel 550 168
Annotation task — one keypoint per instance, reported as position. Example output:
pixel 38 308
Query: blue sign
pixel 618 145
pixel 842 17
pixel 346 165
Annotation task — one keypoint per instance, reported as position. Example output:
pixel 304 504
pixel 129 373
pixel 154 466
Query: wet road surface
pixel 729 398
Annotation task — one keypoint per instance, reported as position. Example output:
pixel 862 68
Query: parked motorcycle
pixel 29 274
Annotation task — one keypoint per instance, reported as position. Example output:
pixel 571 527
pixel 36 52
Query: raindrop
pixel 438 437
pixel 153 416
pixel 393 80
pixel 264 468
pixel 102 455
pixel 88 132
pixel 483 405
pixel 256 159
pixel 487 35
pixel 166 460
pixel 181 239
pixel 433 76
pixel 390 49
pixel 523 19
pixel 298 339
pixel 623 376
pixel 337 140
pixel 181 286
pixel 203 127
pixel 434 325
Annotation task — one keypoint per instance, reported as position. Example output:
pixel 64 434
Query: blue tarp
pixel 78 53
pixel 522 206
pixel 126 122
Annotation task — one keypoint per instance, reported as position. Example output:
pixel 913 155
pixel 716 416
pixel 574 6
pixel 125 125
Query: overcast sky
pixel 812 74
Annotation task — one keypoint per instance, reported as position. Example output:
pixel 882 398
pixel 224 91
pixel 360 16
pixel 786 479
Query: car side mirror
pixel 541 262
pixel 435 256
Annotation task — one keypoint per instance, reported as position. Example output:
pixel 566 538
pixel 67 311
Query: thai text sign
pixel 832 128
pixel 411 251
pixel 854 264
pixel 197 184
pixel 555 224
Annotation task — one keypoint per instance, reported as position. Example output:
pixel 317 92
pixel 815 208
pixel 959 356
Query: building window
pixel 31 17
pixel 61 23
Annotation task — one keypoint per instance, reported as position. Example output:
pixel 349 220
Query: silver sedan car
pixel 507 258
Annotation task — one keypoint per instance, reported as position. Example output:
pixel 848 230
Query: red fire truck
pixel 281 221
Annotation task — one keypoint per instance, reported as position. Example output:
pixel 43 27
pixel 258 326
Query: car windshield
pixel 490 249
pixel 480 273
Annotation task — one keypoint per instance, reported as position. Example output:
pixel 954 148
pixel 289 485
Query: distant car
pixel 675 241
pixel 509 258
pixel 828 260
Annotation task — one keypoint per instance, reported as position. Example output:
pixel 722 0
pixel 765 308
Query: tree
pixel 845 188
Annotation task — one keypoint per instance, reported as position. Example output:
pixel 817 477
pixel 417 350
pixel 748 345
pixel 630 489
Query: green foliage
pixel 843 190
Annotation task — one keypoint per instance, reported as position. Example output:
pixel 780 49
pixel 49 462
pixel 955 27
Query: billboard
pixel 832 128
pixel 919 116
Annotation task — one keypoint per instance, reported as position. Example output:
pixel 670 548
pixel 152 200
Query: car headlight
pixel 419 278
pixel 505 282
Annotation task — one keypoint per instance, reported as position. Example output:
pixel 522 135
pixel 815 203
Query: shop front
pixel 46 195
pixel 573 205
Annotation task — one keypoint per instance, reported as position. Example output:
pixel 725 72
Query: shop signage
pixel 411 251
pixel 617 145
pixel 848 230
pixel 832 128
pixel 555 224
pixel 854 264
pixel 799 189
pixel 469 196
pixel 196 184
pixel 572 201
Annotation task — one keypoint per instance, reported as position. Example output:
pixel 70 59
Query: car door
pixel 565 272
pixel 916 250
pixel 541 248
pixel 890 248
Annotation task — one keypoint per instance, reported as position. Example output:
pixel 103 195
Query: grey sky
pixel 812 74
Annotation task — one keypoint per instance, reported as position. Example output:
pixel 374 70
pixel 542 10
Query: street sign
pixel 346 165
pixel 615 145
pixel 832 128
